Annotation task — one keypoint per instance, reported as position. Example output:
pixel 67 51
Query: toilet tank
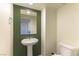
pixel 67 50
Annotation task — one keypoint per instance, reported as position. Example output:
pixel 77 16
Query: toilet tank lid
pixel 68 46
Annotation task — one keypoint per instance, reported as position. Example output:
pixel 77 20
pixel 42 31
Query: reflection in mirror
pixel 28 21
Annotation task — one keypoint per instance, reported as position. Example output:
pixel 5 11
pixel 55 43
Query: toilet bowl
pixel 68 50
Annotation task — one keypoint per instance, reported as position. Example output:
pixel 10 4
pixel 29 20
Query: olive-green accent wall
pixel 18 48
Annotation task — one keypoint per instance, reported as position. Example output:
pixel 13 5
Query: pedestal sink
pixel 29 43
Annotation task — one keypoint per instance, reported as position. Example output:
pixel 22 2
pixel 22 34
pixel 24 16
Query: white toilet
pixel 68 50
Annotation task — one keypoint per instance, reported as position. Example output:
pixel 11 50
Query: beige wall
pixel 5 32
pixel 51 36
pixel 68 24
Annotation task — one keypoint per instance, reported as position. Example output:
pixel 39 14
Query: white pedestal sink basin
pixel 29 43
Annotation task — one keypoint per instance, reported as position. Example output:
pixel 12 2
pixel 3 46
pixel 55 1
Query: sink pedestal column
pixel 29 44
pixel 29 50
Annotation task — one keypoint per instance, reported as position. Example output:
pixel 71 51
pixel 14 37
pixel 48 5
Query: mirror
pixel 28 21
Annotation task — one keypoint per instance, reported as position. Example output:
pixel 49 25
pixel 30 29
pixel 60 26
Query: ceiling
pixel 54 5
pixel 39 6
